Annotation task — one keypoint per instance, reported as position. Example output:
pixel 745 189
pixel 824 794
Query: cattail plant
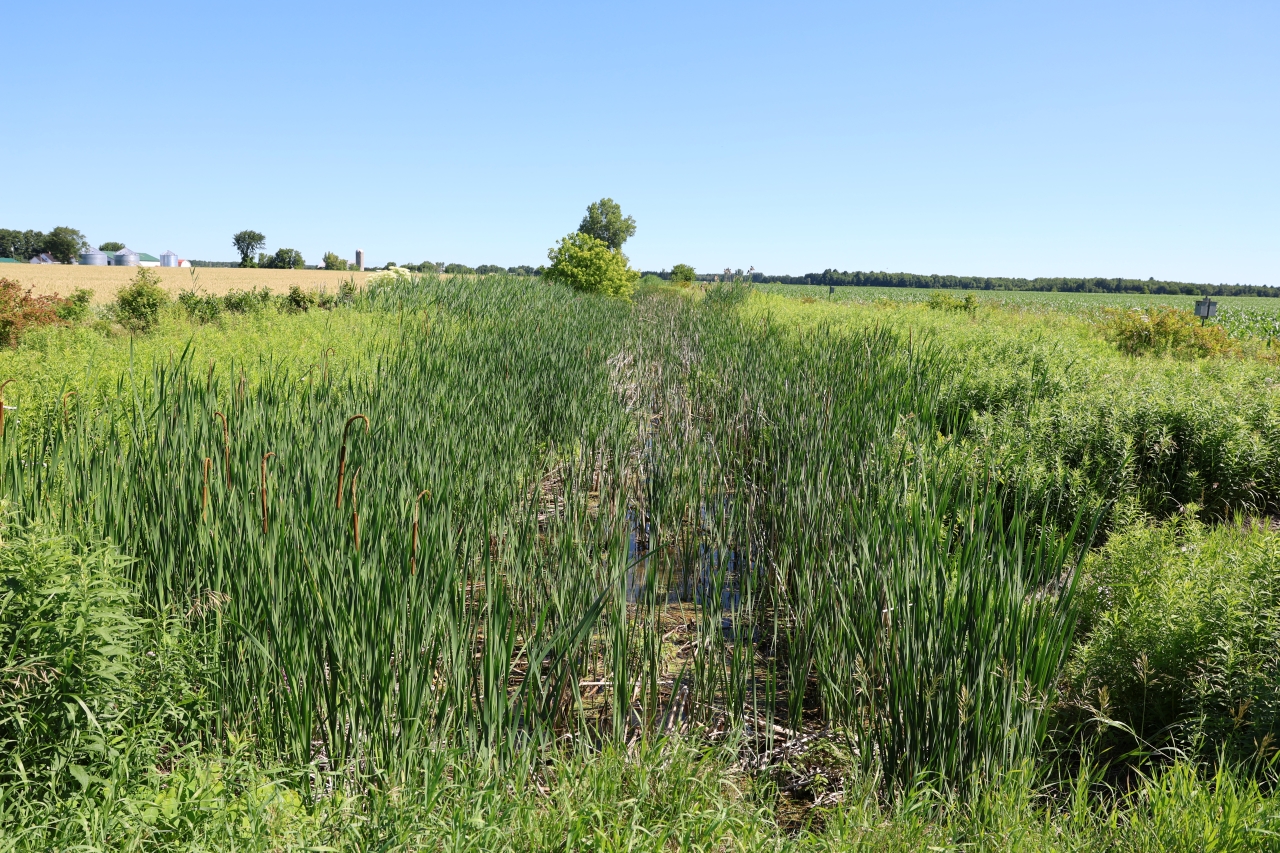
pixel 265 457
pixel 413 548
pixel 342 453
pixel 204 492
pixel 355 508
pixel 226 446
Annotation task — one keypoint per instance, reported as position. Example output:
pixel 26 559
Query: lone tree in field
pixel 247 243
pixel 111 246
pixel 683 274
pixel 605 222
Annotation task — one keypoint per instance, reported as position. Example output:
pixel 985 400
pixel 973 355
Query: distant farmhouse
pixel 125 257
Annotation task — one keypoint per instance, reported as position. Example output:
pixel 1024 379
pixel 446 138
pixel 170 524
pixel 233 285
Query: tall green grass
pixel 637 520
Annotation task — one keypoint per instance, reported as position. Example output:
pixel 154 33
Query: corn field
pixel 533 517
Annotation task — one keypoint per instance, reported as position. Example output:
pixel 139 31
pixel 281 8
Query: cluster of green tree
pixel 837 278
pixel 249 242
pixel 591 259
pixel 63 243
pixel 223 264
pixel 463 269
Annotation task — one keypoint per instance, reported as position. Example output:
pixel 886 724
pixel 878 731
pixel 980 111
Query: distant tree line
pixel 62 243
pixel 837 278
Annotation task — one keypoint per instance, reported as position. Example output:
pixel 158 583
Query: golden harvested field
pixel 105 281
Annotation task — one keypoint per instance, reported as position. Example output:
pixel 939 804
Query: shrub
pixel 246 301
pixel 138 305
pixel 347 291
pixel 1182 624
pixel 683 275
pixel 67 637
pixel 75 308
pixel 20 311
pixel 1162 330
pixel 297 301
pixel 942 301
pixel 587 264
pixel 201 308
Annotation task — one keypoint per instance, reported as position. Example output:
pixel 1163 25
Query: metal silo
pixel 126 257
pixel 168 259
pixel 92 257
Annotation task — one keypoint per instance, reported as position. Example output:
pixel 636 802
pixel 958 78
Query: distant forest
pixel 837 278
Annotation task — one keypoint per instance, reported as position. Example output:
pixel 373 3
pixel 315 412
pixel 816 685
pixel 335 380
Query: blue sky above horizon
pixel 1112 139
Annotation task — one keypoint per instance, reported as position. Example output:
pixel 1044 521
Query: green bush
pixel 76 306
pixel 587 264
pixel 1162 330
pixel 246 301
pixel 68 639
pixel 683 274
pixel 940 300
pixel 1181 635
pixel 297 301
pixel 201 308
pixel 138 305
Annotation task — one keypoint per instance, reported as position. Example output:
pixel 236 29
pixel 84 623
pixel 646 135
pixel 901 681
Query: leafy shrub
pixel 1181 631
pixel 1162 330
pixel 347 292
pixel 683 275
pixel 67 640
pixel 20 311
pixel 246 301
pixel 297 301
pixel 587 264
pixel 138 305
pixel 941 300
pixel 204 308
pixel 75 308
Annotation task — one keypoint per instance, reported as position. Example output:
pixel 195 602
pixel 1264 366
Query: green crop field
pixel 481 563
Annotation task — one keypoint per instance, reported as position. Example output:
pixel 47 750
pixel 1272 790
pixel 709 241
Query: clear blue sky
pixel 1114 139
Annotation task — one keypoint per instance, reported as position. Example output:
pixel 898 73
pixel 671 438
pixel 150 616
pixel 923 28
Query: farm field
pixel 1258 316
pixel 480 563
pixel 63 279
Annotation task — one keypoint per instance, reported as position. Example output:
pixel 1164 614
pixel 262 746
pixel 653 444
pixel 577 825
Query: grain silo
pixel 126 257
pixel 359 259
pixel 92 257
pixel 168 259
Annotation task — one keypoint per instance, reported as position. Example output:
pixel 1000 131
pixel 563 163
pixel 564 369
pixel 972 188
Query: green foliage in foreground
pixel 558 494
pixel 1182 630
pixel 589 265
